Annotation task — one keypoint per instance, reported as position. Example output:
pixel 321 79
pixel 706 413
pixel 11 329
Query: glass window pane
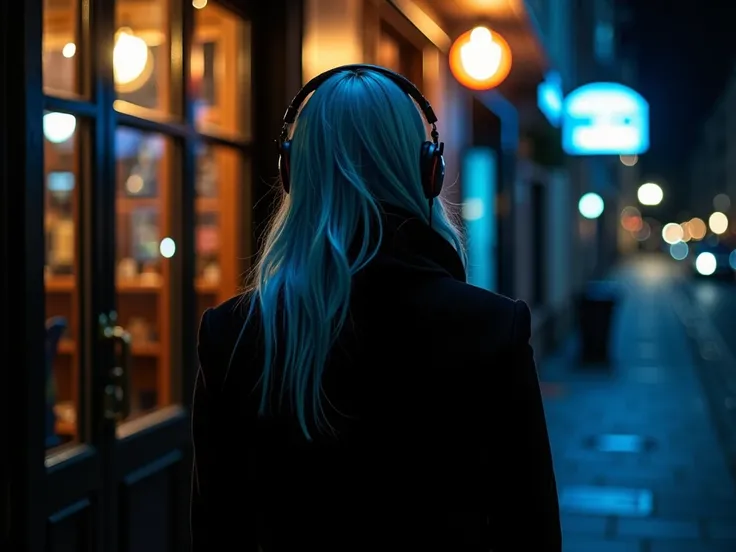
pixel 61 164
pixel 142 266
pixel 61 47
pixel 221 71
pixel 222 232
pixel 142 54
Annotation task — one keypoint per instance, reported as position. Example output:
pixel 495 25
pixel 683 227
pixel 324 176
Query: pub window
pixel 62 48
pixel 149 157
pixel 62 156
pixel 221 87
pixel 142 54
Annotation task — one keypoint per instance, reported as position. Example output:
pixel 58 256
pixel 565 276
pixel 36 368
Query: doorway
pixel 137 182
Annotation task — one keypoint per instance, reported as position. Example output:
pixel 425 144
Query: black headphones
pixel 431 161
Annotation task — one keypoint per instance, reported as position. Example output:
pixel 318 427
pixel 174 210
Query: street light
pixel 480 59
pixel 650 194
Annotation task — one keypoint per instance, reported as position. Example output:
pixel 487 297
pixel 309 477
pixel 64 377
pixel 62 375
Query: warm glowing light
pixel 129 57
pixel 59 127
pixel 591 205
pixel 718 223
pixel 631 219
pixel 697 228
pixel 199 4
pixel 706 263
pixel 480 59
pixel 629 160
pixel 650 194
pixel 69 50
pixel 686 235
pixel 672 233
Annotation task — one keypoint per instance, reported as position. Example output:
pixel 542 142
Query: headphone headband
pixel 431 161
pixel 399 80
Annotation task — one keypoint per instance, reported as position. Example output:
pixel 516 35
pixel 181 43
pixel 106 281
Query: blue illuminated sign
pixel 550 98
pixel 479 214
pixel 605 118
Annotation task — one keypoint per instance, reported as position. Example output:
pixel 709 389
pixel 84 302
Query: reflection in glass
pixel 141 53
pixel 219 234
pixel 220 67
pixel 61 46
pixel 142 269
pixel 62 324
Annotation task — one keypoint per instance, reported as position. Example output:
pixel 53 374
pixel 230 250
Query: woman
pixel 360 395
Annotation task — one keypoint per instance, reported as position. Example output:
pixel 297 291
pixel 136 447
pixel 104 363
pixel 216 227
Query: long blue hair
pixel 354 146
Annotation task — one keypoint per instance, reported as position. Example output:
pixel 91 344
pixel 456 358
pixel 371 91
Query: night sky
pixel 685 52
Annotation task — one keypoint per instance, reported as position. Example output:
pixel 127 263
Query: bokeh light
pixel 686 235
pixel 732 259
pixel 650 194
pixel 722 203
pixel 697 228
pixel 679 251
pixel 706 263
pixel 644 232
pixel 672 233
pixel 591 205
pixel 718 223
pixel 631 219
pixel 629 160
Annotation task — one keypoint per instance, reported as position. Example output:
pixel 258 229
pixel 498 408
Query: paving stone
pixel 657 528
pixel 721 529
pixel 690 546
pixel 679 506
pixel 584 525
pixel 588 545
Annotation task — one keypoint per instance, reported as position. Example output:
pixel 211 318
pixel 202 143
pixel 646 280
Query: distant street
pixel 640 466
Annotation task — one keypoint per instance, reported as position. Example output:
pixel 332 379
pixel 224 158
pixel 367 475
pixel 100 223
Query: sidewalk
pixel 639 465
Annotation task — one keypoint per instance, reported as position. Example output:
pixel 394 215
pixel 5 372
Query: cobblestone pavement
pixel 639 463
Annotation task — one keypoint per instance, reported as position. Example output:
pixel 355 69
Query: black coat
pixel 440 437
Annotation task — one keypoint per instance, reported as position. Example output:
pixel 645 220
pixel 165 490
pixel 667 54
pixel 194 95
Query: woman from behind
pixel 359 395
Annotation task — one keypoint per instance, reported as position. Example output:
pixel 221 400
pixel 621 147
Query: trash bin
pixel 595 316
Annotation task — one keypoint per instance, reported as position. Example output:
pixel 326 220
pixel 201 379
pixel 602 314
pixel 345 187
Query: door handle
pixel 117 388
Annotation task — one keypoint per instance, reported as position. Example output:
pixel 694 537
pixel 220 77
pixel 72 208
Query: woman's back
pixel 423 425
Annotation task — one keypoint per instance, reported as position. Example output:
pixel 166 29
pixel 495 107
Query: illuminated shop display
pixel 479 214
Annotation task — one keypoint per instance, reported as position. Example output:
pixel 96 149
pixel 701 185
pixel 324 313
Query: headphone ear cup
pixel 432 165
pixel 285 165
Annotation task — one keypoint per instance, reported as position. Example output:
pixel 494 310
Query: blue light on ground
pixel 612 442
pixel 607 501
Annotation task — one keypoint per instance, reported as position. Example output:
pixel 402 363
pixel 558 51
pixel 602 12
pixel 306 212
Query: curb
pixel 715 367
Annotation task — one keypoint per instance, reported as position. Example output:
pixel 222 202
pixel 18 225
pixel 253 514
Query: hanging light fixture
pixel 131 59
